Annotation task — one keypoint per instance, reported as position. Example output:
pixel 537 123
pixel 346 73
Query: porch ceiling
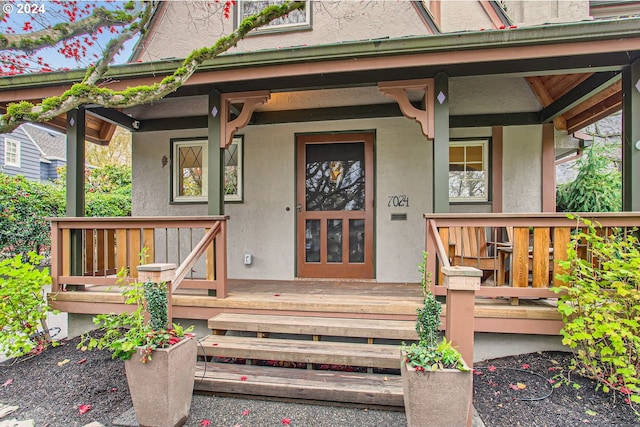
pixel 572 69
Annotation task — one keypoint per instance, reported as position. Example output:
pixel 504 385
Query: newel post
pixel 158 273
pixel 461 283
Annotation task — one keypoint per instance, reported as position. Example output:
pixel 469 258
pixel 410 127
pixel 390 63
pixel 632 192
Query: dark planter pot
pixel 161 389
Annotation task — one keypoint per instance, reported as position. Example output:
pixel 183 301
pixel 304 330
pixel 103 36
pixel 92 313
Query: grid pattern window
pixel 468 171
pixel 11 152
pixel 190 170
pixel 296 20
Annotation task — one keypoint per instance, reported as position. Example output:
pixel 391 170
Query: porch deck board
pixel 346 387
pixel 319 326
pixel 305 351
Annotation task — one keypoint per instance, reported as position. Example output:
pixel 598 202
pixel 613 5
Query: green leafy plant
pixel 24 207
pixel 430 352
pixel 126 333
pixel 23 309
pixel 600 306
pixel 597 188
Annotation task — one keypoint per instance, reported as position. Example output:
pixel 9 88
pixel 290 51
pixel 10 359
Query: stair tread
pixel 354 354
pixel 365 328
pixel 351 387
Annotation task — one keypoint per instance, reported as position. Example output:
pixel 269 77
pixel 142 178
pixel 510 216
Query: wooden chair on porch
pixel 468 247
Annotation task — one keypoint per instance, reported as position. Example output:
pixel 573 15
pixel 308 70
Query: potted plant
pixel 161 379
pixel 437 384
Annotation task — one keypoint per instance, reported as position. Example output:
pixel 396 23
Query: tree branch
pixel 96 73
pixel 49 37
pixel 84 93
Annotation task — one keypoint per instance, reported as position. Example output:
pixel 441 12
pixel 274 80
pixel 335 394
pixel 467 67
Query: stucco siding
pixel 536 12
pixel 463 15
pixel 522 169
pixel 332 22
pixel 262 226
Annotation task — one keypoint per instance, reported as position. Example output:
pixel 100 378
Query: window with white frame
pixel 295 20
pixel 11 152
pixel 468 170
pixel 190 170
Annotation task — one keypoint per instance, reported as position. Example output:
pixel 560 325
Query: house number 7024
pixel 400 201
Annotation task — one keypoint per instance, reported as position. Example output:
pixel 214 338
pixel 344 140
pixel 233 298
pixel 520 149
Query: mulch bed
pixel 51 387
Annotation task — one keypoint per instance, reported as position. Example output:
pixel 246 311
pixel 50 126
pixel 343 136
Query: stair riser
pixel 317 358
pixel 334 395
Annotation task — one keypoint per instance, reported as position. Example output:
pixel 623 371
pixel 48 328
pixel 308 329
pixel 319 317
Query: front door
pixel 334 200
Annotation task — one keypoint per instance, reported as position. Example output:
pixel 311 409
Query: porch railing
pixel 518 253
pixel 102 251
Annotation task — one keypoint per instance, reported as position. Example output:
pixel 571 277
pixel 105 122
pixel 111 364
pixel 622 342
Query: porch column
pixel 76 127
pixel 215 189
pixel 440 164
pixel 631 137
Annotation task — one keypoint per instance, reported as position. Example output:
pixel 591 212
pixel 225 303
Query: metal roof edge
pixel 574 32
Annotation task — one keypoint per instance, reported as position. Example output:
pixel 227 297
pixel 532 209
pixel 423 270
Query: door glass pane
pixel 312 240
pixel 334 240
pixel 356 240
pixel 335 177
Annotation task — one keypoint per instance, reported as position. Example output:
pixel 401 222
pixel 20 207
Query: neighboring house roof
pixel 52 145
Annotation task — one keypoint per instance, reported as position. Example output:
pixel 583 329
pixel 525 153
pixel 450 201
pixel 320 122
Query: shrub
pixel 597 188
pixel 24 205
pixel 23 309
pixel 601 307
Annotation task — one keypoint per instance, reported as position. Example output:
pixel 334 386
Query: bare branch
pixel 83 93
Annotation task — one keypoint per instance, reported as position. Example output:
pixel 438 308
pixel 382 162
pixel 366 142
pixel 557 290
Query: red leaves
pixel 7 382
pixel 205 423
pixel 83 409
pixel 27 26
pixel 285 421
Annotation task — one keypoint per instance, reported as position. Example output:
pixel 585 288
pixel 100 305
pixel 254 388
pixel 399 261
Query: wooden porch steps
pixel 316 326
pixel 364 371
pixel 303 351
pixel 344 387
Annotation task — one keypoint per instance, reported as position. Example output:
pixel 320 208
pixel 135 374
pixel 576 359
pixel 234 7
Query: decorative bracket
pixel 398 91
pixel 250 101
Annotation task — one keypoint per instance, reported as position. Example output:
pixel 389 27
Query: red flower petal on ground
pixel 205 423
pixel 477 372
pixel 243 378
pixel 276 295
pixel 491 368
pixel 81 361
pixel 525 366
pixel 245 412
pixel 285 421
pixel 7 382
pixel 83 409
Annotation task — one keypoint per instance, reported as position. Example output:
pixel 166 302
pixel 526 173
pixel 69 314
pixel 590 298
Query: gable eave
pixel 616 32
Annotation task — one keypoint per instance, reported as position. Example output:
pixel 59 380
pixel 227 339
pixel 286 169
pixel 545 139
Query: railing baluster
pixel 134 251
pixel 541 245
pixel 121 249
